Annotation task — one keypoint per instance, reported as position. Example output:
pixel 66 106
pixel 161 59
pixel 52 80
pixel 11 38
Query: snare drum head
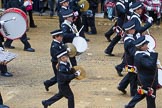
pixel 80 43
pixel 13 28
pixel 152 42
pixel 160 76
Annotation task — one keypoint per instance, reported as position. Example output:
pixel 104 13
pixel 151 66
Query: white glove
pixel 76 13
pixel 2 23
pixel 138 35
pixel 82 5
pixel 150 19
pixel 77 34
pixel 131 10
pixel 68 49
pixel 26 3
pixel 148 8
pixel 77 73
pixel 128 17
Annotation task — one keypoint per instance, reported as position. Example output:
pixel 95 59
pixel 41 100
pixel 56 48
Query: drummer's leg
pixel 27 46
pixel 32 24
pixel 3 69
pixel 8 43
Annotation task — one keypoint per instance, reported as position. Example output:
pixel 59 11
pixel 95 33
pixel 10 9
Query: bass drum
pixel 152 42
pixel 80 43
pixel 13 28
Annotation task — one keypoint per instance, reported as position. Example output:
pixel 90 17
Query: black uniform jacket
pixel 147 68
pixel 68 31
pixel 129 49
pixel 64 76
pixel 56 46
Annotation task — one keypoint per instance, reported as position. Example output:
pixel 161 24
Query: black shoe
pixel 91 33
pixel 6 74
pixel 4 106
pixel 44 104
pixel 122 90
pixel 29 50
pixel 33 26
pixel 51 14
pixel 108 39
pixel 109 54
pixel 9 47
pixel 45 85
pixel 119 71
pixel 87 39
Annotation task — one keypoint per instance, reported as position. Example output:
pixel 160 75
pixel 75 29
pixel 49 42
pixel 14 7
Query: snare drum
pixel 14 29
pixel 80 43
pixel 152 42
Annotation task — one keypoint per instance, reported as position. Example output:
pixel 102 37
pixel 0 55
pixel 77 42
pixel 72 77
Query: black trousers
pixel 53 80
pixel 150 100
pixel 3 68
pixel 111 46
pixel 64 91
pixel 89 22
pixel 73 61
pixel 130 78
pixel 1 100
pixel 31 23
pixel 109 32
pixel 23 39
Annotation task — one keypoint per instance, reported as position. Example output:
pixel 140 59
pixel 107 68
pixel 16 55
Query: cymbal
pixel 82 72
pixel 73 51
pixel 86 5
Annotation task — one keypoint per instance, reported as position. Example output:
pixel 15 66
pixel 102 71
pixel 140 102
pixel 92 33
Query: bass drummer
pixel 21 5
pixel 69 31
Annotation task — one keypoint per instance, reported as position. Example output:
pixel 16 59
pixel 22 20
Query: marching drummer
pixel 137 12
pixel 56 46
pixel 64 77
pixel 21 5
pixel 69 31
pixel 147 74
pixel 131 76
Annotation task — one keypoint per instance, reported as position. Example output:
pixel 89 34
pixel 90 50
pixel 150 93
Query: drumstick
pixel 14 18
pixel 81 29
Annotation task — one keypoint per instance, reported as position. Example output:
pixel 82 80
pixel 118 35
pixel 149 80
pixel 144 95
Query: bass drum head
pixel 152 42
pixel 80 43
pixel 14 29
pixel 160 76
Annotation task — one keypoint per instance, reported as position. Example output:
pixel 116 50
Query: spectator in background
pixel 51 7
pixel 88 18
pixel 29 9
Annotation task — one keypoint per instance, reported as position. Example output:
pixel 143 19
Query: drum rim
pixel 153 39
